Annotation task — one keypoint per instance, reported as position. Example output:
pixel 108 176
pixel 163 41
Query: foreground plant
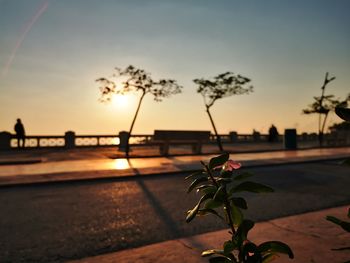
pixel 219 184
pixel 343 224
pixel 344 114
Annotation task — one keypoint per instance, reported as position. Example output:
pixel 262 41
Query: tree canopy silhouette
pixel 323 105
pixel 221 86
pixel 135 79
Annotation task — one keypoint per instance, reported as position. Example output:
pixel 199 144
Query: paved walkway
pixel 33 155
pixel 309 235
pixel 101 168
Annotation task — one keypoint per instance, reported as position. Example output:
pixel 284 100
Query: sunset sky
pixel 51 53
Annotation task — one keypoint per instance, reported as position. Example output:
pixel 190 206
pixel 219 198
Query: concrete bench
pixel 165 138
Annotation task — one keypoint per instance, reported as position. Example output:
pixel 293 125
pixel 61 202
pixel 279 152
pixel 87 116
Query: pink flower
pixel 231 165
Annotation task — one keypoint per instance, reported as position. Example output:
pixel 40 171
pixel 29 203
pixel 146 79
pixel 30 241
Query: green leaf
pixel 196 182
pixel 210 190
pixel 207 188
pixel 203 186
pixel 228 247
pixel 224 180
pixel 343 113
pixel 243 176
pixel 206 211
pixel 192 213
pixel 343 224
pixel 219 193
pixel 239 202
pixel 243 229
pixel 218 160
pixel 196 175
pixel 269 258
pixel 236 214
pixel 211 204
pixel 275 247
pixel 210 252
pixel 251 187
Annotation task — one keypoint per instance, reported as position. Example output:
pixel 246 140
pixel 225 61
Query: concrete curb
pixel 114 175
pixel 17 162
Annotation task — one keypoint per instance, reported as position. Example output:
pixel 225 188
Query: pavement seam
pixel 292 230
pixel 187 246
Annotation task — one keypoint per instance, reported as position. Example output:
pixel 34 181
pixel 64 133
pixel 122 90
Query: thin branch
pixel 204 100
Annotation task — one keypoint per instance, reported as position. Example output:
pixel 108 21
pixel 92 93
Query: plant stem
pixel 227 206
pixel 319 128
pixel 211 175
pixel 228 211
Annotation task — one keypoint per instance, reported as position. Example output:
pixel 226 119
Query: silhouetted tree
pixel 342 126
pixel 134 79
pixel 223 85
pixel 323 105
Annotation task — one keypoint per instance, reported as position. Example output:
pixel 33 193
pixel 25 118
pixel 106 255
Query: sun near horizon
pixel 52 51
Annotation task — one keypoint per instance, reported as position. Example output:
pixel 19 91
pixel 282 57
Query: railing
pixel 138 140
pixel 41 141
pixel 38 141
pixel 57 141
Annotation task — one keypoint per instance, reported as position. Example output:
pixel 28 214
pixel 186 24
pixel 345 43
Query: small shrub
pixel 219 185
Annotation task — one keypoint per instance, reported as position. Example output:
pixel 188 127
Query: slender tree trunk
pixel 322 129
pixel 320 138
pixel 320 135
pixel 218 139
pixel 127 148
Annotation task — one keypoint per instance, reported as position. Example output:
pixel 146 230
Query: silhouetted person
pixel 273 134
pixel 20 134
pixel 256 135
